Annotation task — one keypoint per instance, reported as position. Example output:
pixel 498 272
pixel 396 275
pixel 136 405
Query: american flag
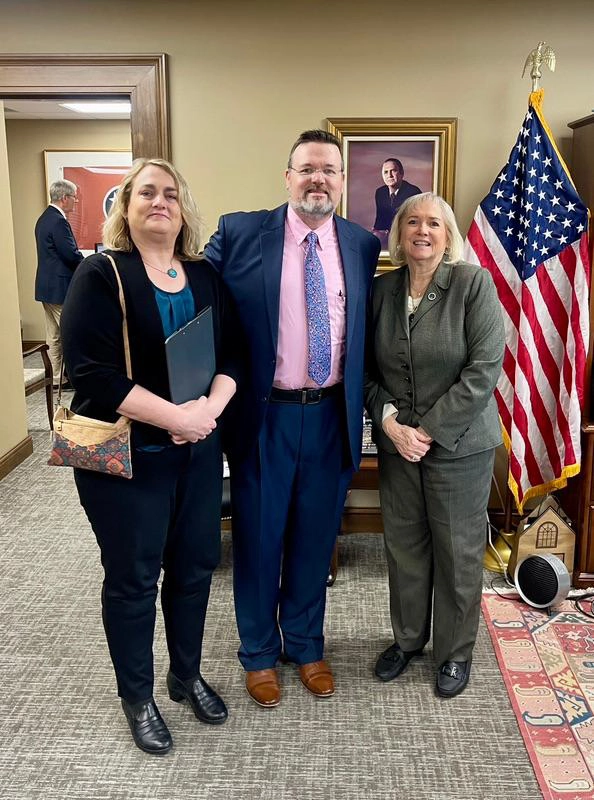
pixel 531 233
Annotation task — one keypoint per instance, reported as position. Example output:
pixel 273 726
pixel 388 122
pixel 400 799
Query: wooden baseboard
pixel 15 456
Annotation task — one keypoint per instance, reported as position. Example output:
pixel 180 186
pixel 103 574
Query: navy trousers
pixel 287 499
pixel 167 515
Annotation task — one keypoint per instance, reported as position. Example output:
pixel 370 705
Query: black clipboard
pixel 190 357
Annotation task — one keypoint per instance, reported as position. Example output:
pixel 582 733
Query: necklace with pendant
pixel 171 271
pixel 415 299
pixel 416 294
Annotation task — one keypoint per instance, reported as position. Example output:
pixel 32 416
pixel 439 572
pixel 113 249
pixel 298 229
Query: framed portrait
pixel 389 159
pixel 97 174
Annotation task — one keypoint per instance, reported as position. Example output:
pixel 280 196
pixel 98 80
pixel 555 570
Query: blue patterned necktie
pixel 318 318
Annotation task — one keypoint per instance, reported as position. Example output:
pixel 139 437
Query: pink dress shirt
pixel 291 356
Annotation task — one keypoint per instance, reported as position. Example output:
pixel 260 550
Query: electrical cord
pixel 578 599
pixel 507 595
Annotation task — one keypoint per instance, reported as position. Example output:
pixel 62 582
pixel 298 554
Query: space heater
pixel 542 581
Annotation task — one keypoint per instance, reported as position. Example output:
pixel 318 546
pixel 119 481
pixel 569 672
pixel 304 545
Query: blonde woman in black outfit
pixel 168 515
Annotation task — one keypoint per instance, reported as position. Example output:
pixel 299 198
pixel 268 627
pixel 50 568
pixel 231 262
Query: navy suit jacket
pixel 384 213
pixel 57 256
pixel 247 250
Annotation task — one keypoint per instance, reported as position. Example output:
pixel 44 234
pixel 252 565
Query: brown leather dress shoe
pixel 317 678
pixel 263 687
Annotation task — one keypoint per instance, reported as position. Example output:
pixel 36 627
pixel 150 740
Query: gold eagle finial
pixel 542 54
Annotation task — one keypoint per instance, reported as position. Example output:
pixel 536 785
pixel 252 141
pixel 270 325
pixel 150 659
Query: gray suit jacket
pixel 440 366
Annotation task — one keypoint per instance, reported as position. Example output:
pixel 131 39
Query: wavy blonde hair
pixel 454 241
pixel 116 231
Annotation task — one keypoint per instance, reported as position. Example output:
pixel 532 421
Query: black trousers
pixel 167 515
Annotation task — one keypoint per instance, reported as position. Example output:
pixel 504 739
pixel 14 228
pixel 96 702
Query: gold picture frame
pixel 425 147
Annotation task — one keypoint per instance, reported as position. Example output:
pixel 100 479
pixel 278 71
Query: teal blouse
pixel 176 308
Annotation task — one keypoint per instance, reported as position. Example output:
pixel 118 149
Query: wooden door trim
pixel 141 77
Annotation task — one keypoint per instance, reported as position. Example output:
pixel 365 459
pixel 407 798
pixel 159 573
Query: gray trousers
pixel 434 515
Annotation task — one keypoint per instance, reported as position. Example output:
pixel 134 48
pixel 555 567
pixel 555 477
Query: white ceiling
pixel 48 109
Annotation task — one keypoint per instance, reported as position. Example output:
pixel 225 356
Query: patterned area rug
pixel 547 663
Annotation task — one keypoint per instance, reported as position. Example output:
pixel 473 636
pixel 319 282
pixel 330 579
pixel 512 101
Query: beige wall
pixel 26 140
pixel 245 78
pixel 13 427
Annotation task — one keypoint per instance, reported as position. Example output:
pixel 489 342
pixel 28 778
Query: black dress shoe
pixel 206 703
pixel 148 728
pixel 452 678
pixel 393 661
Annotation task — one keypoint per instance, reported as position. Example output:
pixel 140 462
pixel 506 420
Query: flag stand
pixel 498 561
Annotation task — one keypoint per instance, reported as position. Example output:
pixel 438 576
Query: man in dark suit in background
pixel 390 197
pixel 300 277
pixel 57 258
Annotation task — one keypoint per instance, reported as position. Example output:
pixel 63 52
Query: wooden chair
pixel 37 378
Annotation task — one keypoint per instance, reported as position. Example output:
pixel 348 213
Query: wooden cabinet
pixel 363 519
pixel 578 498
pixel 582 158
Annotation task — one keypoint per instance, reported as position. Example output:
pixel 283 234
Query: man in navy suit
pixel 300 277
pixel 57 258
pixel 390 196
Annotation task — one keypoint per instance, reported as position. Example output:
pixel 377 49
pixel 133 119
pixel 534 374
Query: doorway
pixel 140 78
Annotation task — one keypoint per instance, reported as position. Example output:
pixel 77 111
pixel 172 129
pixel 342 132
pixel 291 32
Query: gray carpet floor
pixel 63 735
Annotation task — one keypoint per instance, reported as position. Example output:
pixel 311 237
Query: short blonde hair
pixel 454 241
pixel 116 231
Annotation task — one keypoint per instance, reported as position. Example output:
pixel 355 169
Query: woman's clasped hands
pixel 196 421
pixel 411 443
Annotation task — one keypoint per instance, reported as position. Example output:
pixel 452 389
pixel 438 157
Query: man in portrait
pixel 390 196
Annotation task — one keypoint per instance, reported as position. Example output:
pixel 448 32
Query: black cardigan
pixel 91 326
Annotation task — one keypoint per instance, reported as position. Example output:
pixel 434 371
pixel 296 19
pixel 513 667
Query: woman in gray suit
pixel 435 351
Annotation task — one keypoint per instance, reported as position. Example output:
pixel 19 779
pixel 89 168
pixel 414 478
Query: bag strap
pixel 124 318
pixel 124 328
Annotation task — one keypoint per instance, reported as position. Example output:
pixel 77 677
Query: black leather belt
pixel 304 397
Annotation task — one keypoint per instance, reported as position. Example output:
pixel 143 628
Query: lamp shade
pixel 542 581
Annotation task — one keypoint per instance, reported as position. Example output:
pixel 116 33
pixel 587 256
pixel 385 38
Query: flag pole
pixel 498 560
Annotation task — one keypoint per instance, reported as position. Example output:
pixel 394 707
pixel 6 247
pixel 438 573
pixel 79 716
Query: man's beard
pixel 314 208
